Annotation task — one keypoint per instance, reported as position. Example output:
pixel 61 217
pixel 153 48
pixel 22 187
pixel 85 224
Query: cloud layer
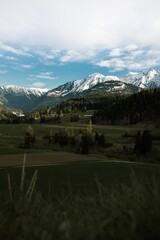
pixel 81 24
pixel 131 58
pixel 49 42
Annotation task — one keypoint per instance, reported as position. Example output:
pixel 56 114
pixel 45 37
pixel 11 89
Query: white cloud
pixel 26 66
pixel 137 53
pixel 22 67
pixel 115 52
pixel 58 32
pixel 3 71
pixel 44 75
pixel 134 60
pixel 10 49
pixel 48 54
pixel 38 84
pixel 10 58
pixel 80 24
pixel 115 63
pixel 130 47
pixel 76 56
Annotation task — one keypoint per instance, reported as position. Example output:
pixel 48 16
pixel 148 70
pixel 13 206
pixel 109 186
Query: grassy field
pixel 88 197
pixel 86 200
pixel 12 136
pixel 80 173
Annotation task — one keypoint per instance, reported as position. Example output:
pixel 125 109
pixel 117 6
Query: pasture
pixel 82 200
pixel 100 195
pixel 78 173
pixel 12 137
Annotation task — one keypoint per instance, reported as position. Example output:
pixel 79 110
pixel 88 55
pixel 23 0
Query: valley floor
pixel 47 158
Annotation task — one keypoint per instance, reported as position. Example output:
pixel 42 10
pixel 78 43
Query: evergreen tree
pixel 137 147
pixel 90 127
pixel 96 137
pixel 146 144
pixel 101 141
pixel 85 144
pixel 29 138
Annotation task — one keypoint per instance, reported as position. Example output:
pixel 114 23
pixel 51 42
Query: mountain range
pixel 149 78
pixel 19 97
pixel 29 99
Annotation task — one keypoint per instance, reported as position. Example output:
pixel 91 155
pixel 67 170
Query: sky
pixel 45 43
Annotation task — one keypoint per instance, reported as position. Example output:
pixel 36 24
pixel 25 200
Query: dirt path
pixel 45 158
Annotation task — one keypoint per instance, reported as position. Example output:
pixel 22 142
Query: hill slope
pixel 149 78
pixel 19 97
pixel 95 83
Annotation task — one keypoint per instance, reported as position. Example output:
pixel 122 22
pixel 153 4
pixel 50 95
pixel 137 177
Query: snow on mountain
pixel 19 97
pixel 112 87
pixel 28 98
pixel 92 80
pixel 78 86
pixel 149 78
pixel 97 83
pixel 22 90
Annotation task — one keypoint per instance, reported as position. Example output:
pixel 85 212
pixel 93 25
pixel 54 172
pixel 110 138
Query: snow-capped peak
pixel 147 79
pixel 22 90
pixel 92 80
pixel 150 71
pixel 96 75
pixel 131 73
pixel 78 86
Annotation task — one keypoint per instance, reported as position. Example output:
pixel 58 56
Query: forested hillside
pixel 8 115
pixel 106 109
pixel 143 106
pixel 112 109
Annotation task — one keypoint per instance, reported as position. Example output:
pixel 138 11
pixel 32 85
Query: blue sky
pixel 47 43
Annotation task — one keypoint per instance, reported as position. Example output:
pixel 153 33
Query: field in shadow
pixel 81 201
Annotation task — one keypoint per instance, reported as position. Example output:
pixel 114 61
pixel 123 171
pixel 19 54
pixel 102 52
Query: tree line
pixel 142 106
pixel 66 139
pixel 108 109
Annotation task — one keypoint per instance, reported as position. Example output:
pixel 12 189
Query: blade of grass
pixel 23 173
pixel 9 187
pixel 31 186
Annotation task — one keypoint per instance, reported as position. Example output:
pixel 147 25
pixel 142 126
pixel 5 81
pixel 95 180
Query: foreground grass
pixel 119 212
pixel 84 201
pixel 12 135
pixel 78 174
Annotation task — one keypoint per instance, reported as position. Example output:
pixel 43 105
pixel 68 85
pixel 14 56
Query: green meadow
pixel 59 194
pixel 87 200
pixel 12 137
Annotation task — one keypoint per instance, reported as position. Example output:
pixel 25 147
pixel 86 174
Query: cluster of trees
pixel 86 141
pixel 83 142
pixel 6 115
pixel 93 102
pixel 74 118
pixel 29 137
pixel 75 106
pixel 143 143
pixel 142 106
pixel 80 143
pixel 111 109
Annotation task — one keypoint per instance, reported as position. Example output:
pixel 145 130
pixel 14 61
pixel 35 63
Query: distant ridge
pixel 19 97
pixel 149 78
pixel 28 99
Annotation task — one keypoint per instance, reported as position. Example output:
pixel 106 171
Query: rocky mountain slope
pixel 19 97
pixel 28 99
pixel 149 78
pixel 94 83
